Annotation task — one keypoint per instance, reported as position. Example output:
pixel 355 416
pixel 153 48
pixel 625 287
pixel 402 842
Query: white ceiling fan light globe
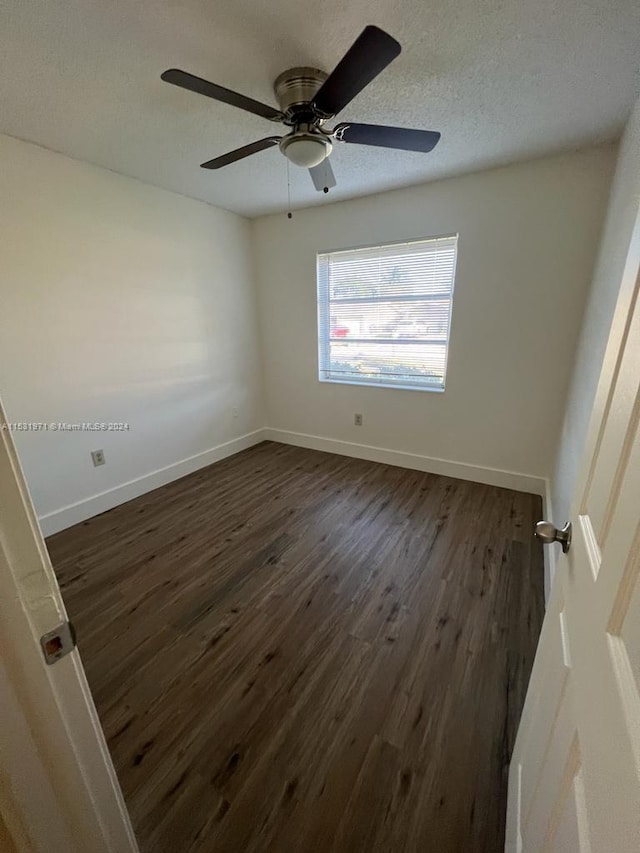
pixel 306 151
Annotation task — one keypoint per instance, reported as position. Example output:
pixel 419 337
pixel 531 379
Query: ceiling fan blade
pixel 322 176
pixel 370 54
pixel 387 137
pixel 241 153
pixel 219 93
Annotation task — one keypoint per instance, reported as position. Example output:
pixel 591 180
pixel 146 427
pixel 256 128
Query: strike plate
pixel 58 643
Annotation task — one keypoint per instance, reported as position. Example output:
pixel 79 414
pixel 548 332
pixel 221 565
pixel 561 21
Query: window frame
pixel 323 305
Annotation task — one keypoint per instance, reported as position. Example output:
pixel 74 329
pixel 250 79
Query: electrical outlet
pixel 97 457
pixel 235 412
pixel 357 419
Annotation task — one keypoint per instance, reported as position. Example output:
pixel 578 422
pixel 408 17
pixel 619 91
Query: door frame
pixel 58 786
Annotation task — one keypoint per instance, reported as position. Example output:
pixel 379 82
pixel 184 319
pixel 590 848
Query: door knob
pixel 547 533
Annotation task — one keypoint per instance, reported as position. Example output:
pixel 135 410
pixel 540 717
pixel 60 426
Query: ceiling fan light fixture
pixel 306 149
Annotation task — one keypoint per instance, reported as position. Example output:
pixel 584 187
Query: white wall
pixel 623 206
pixel 528 239
pixel 119 302
pixel 123 302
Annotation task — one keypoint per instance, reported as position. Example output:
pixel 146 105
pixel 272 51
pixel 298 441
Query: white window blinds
pixel 384 313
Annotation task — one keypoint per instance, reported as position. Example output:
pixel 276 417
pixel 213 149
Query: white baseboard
pixel 69 515
pixel 74 513
pixel 462 471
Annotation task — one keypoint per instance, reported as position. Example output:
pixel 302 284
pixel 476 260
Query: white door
pixel 58 789
pixel 574 780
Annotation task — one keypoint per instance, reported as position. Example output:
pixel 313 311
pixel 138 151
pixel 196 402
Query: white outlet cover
pixel 97 457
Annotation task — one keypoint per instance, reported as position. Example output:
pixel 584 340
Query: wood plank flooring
pixel 297 652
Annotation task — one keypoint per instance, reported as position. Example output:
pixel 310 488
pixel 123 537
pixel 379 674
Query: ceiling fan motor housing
pixel 295 89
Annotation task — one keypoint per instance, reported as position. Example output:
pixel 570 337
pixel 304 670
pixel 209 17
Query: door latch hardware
pixel 58 643
pixel 547 533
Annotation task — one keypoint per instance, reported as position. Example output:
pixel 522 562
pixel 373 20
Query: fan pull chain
pixel 289 214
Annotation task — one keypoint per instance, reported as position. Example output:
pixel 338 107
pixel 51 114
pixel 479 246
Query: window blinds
pixel 384 313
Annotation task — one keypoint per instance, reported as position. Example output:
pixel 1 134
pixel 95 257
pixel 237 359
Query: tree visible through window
pixel 384 313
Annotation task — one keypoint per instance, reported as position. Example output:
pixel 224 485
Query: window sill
pixel 394 387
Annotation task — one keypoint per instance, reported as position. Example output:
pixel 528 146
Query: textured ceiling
pixel 501 79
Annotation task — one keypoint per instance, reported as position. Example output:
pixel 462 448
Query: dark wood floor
pixel 297 652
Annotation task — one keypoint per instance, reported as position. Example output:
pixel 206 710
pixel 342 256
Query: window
pixel 384 314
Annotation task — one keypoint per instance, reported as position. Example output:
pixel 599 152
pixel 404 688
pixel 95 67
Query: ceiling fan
pixel 308 98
